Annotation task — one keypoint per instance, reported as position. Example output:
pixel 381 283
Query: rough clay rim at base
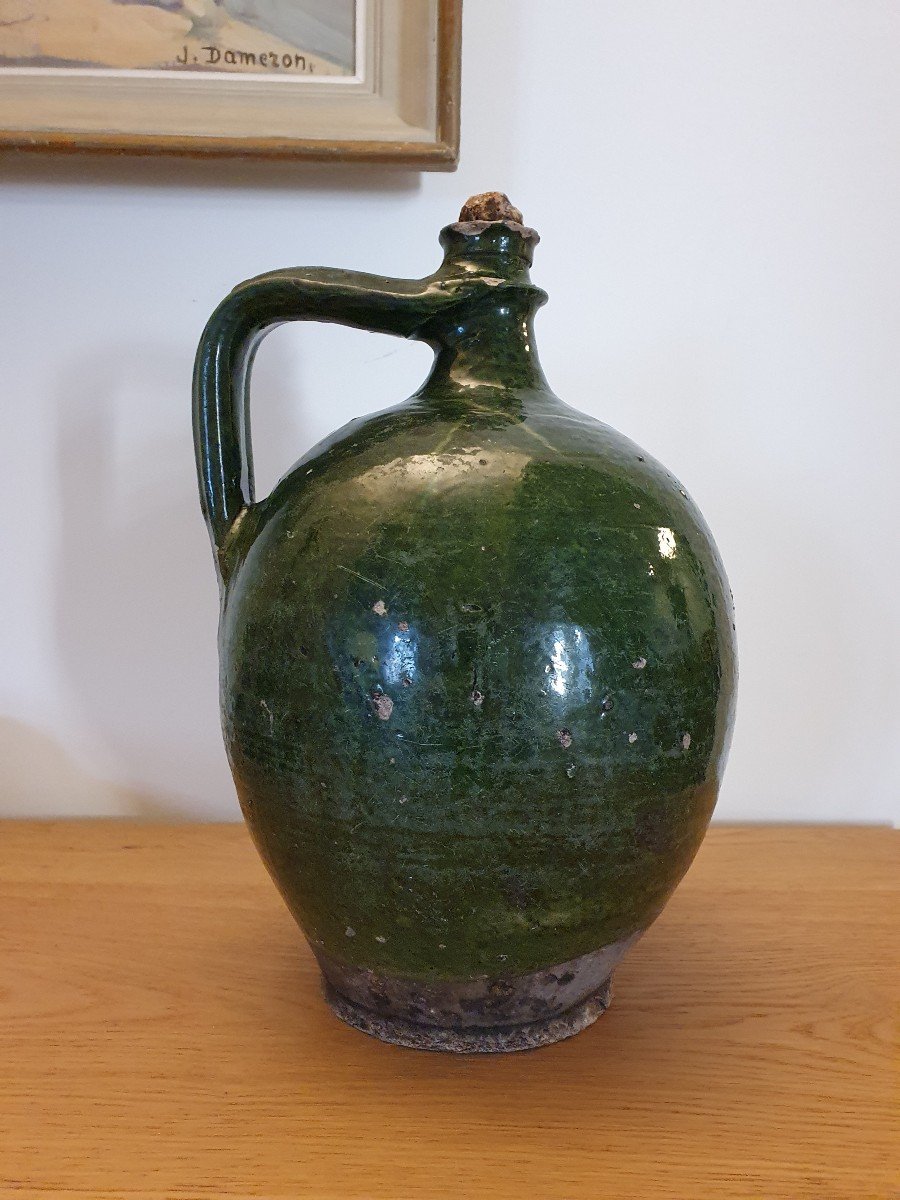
pixel 471 1041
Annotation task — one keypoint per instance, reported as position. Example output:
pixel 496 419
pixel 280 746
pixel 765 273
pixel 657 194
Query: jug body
pixel 477 681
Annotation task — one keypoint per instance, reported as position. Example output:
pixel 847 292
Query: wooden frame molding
pixel 402 108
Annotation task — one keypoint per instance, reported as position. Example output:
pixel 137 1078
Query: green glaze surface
pixel 477 659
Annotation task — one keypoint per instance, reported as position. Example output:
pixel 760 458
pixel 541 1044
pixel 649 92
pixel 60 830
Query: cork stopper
pixel 489 228
pixel 490 206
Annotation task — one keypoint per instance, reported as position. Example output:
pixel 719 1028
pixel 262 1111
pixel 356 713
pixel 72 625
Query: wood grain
pixel 162 1035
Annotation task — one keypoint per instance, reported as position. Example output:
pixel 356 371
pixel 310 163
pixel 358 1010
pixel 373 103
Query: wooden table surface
pixel 162 1035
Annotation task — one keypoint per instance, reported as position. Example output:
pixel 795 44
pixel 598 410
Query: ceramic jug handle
pixel 225 356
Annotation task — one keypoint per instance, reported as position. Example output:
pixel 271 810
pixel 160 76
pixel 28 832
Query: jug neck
pixel 484 346
pixel 490 348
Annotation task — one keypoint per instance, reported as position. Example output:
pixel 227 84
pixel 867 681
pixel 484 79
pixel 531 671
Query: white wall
pixel 718 190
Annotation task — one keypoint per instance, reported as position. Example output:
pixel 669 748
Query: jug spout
pixel 487 345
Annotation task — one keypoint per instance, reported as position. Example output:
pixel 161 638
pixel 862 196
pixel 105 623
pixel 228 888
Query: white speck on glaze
pixel 632 737
pixel 349 932
pixel 686 741
pixel 565 738
pixel 639 664
pixel 379 938
pixel 380 608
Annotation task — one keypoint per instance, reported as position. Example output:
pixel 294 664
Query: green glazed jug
pixel 477 660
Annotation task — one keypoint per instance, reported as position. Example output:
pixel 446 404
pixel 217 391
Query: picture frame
pixel 194 77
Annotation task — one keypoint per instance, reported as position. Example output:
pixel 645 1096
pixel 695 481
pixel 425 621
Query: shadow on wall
pixel 154 171
pixel 137 603
pixel 41 779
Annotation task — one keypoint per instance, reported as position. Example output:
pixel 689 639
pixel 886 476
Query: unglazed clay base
pixel 472 1041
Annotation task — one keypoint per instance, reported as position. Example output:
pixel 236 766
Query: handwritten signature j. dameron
pixel 215 56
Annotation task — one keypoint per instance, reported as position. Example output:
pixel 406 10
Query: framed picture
pixel 370 80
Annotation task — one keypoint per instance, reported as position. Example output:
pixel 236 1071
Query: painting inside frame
pixel 287 39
